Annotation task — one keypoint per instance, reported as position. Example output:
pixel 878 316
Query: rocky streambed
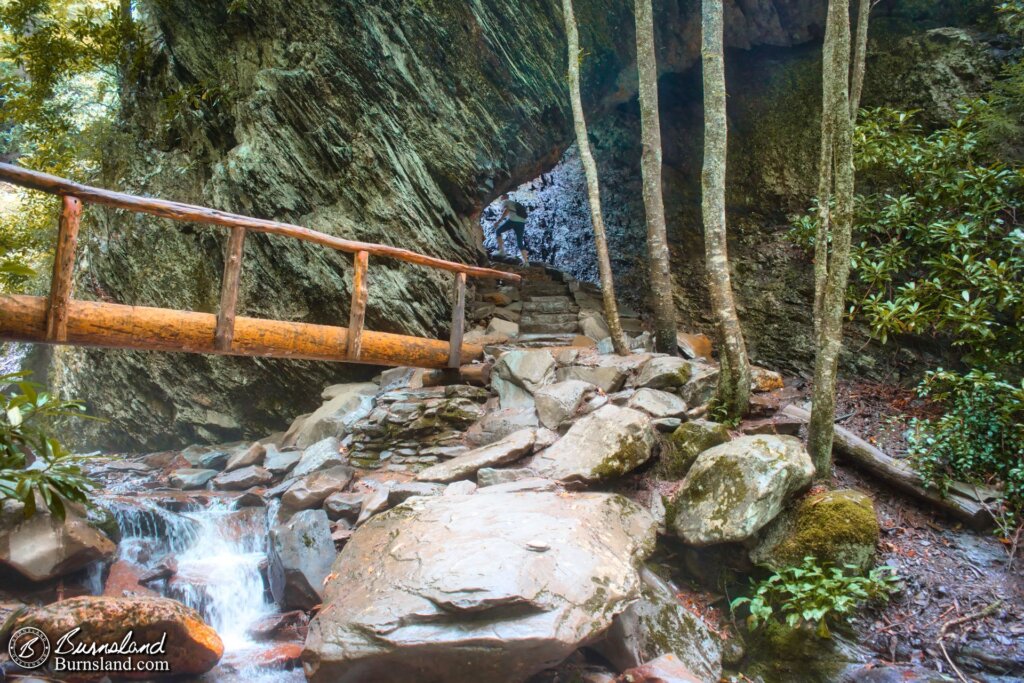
pixel 576 518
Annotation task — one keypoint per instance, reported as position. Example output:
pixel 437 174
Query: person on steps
pixel 513 217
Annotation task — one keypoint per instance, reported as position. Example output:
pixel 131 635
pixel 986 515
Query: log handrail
pixel 143 325
pixel 44 182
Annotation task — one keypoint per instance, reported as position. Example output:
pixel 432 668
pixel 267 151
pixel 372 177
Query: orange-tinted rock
pixel 664 669
pixel 190 647
pixel 694 345
pixel 763 380
pixel 124 580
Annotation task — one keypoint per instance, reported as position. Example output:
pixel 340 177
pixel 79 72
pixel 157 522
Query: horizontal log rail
pixel 59 319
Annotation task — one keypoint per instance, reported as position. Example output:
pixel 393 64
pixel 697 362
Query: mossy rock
pixel 686 443
pixel 837 527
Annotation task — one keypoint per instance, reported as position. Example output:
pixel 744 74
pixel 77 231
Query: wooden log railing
pixel 58 319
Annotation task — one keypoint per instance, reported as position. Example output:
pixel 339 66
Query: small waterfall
pixel 219 551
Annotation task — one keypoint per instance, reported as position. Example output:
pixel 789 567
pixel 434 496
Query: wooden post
pixel 225 331
pixel 63 269
pixel 357 312
pixel 458 322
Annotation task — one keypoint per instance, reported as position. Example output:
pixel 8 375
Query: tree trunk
pixel 734 379
pixel 611 309
pixel 836 120
pixel 859 56
pixel 650 166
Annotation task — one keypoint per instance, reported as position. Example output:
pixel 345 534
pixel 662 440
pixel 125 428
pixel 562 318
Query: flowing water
pixel 219 551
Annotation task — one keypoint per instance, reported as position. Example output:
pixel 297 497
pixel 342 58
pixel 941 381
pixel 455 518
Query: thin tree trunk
pixel 611 309
pixel 650 165
pixel 859 56
pixel 734 378
pixel 837 120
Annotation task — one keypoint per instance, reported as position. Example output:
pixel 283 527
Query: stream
pixel 221 552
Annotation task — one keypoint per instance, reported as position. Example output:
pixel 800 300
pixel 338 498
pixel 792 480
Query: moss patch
pixel 686 443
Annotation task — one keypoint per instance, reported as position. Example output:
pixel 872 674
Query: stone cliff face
pixel 390 122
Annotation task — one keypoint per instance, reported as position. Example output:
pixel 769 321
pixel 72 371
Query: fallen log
pixel 93 323
pixel 962 502
pixel 478 375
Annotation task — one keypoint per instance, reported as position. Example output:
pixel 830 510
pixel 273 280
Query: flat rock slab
pixel 734 489
pixel 503 452
pixel 602 445
pixel 464 589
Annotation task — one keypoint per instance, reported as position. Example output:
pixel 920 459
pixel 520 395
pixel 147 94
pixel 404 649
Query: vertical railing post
pixel 63 269
pixel 357 312
pixel 225 331
pixel 458 322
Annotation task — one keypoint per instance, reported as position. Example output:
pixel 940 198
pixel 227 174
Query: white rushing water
pixel 218 551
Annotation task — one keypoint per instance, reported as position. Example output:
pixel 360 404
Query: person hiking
pixel 513 217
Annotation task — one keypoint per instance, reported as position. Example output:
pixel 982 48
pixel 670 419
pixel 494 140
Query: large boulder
pixel 188 478
pixel 657 625
pixel 190 646
pixel 498 424
pixel 245 456
pixel 242 479
pixel 687 442
pixel 602 445
pixel 837 527
pixel 733 490
pixel 322 455
pixel 347 402
pixel 664 372
pixel 301 553
pixel 503 452
pixel 657 403
pixel 42 548
pixel 410 598
pixel 312 490
pixel 529 370
pixel 558 403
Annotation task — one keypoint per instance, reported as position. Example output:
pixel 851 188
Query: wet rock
pixel 559 402
pixel 301 553
pixel 348 402
pixel 686 443
pixel 312 490
pixel 344 505
pixel 244 478
pixel 734 489
pixel 165 568
pixel 657 625
pixel 42 548
pixel 603 445
pixel 285 626
pixel 250 455
pixel 504 328
pixel 665 669
pixel 503 452
pixel 701 386
pixel 762 379
pixel 401 492
pixel 460 488
pixel 125 579
pixel 608 378
pixel 658 404
pixel 213 460
pixel 529 370
pixel 498 424
pixel 494 477
pixel 190 479
pixel 321 455
pixel 375 500
pixel 521 485
pixel 664 372
pixel 280 462
pixel 192 647
pixel 837 527
pixel 405 605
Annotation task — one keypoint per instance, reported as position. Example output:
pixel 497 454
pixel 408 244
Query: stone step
pixel 553 305
pixel 548 328
pixel 548 318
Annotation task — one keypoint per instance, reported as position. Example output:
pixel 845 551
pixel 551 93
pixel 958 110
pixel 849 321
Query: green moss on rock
pixel 686 443
pixel 839 527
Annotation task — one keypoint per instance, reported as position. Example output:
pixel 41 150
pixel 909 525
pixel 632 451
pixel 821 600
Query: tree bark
pixel 734 379
pixel 611 309
pixel 650 166
pixel 859 56
pixel 836 120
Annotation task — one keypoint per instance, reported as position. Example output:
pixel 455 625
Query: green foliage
pixel 32 462
pixel 980 439
pixel 814 595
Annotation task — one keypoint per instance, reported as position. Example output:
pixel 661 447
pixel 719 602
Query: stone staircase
pixel 549 307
